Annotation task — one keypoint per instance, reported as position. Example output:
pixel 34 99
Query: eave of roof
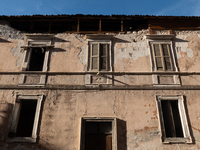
pixel 102 16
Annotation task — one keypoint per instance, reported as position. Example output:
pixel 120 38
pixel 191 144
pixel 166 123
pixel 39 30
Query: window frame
pixel 98 39
pixel 36 41
pixel 162 55
pixel 98 119
pixel 108 57
pixel 14 121
pixel 186 133
pixel 99 56
pixel 162 39
pixel 172 58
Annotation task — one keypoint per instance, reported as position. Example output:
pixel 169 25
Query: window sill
pixel 177 140
pixel 31 84
pixel 167 85
pixel 21 139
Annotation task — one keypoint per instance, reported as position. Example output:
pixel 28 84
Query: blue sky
pixel 104 7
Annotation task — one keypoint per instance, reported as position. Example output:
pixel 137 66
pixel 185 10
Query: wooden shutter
pixel 103 56
pixel 15 119
pixel 166 57
pixel 99 57
pixel 109 142
pixel 171 117
pixel 162 57
pixel 158 57
pixel 94 57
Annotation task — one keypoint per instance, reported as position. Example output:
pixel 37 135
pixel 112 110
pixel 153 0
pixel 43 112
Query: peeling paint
pixel 83 54
pixel 133 51
pixel 17 52
pixel 9 33
pixel 62 109
pixel 183 47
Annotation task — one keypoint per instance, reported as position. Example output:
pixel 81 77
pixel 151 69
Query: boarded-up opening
pixel 172 120
pixel 37 59
pixel 98 136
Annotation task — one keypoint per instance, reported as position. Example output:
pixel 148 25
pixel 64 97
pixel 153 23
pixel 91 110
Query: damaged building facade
pixel 88 82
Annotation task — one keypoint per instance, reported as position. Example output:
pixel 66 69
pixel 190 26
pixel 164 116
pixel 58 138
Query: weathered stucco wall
pixel 131 51
pixel 65 56
pixel 187 46
pixel 11 56
pixel 59 127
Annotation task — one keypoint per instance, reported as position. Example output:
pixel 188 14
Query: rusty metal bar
pixel 170 31
pixel 99 24
pixel 150 30
pixel 50 23
pixel 122 25
pixel 78 25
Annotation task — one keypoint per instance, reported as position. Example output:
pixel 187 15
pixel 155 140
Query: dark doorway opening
pixel 98 136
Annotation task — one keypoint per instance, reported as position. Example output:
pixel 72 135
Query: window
pixel 173 119
pixel 99 56
pixel 99 59
pixel 163 59
pixel 36 58
pixel 25 119
pixel 162 54
pixel 98 134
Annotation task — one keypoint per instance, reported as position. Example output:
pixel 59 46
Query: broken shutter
pixel 25 66
pixel 15 119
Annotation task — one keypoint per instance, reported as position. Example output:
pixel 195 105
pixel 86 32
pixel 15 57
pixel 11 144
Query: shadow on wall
pixel 188 119
pixel 5 115
pixel 26 146
pixel 4 41
pixel 121 135
pixel 6 110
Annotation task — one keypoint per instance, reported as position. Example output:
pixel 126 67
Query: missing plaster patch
pixel 183 50
pixel 17 53
pixel 9 32
pixel 83 55
pixel 133 51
